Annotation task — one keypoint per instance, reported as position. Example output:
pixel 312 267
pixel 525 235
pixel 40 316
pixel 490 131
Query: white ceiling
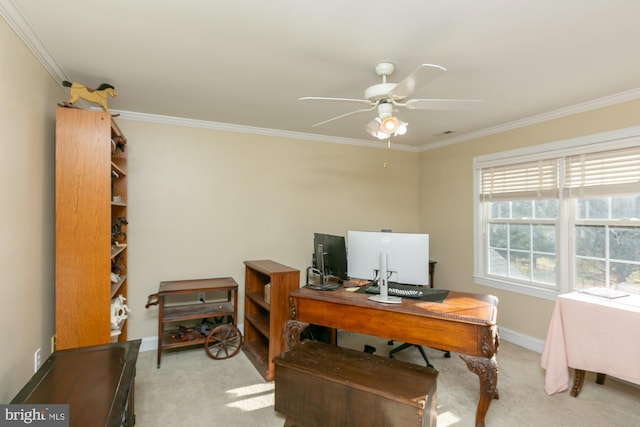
pixel 244 63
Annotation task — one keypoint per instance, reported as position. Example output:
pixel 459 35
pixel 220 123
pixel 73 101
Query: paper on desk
pixel 604 292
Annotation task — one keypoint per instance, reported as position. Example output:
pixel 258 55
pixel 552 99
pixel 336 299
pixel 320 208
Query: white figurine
pixel 119 312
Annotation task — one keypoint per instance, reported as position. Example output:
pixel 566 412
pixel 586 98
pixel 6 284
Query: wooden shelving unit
pixel 91 192
pixel 264 322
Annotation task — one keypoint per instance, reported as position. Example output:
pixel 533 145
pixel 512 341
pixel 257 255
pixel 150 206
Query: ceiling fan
pixel 388 97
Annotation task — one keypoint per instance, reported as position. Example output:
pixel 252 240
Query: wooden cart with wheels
pixel 220 342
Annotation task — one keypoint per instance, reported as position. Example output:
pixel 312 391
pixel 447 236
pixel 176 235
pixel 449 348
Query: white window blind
pixel 587 175
pixel 523 181
pixel 603 173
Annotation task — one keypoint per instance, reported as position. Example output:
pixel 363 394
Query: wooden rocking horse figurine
pixel 98 96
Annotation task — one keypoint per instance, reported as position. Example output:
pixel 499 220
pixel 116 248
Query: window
pixel 607 243
pixel 560 217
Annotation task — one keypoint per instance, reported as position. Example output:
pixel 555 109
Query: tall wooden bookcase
pixel 266 311
pixel 91 192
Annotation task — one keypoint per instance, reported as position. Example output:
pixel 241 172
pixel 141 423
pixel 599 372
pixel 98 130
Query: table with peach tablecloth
pixel 595 334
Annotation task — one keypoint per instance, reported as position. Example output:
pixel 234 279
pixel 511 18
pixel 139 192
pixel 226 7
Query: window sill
pixel 517 288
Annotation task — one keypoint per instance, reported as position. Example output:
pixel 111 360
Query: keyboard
pixel 325 287
pixel 404 292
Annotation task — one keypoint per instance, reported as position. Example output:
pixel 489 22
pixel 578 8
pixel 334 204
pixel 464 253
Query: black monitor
pixel 334 251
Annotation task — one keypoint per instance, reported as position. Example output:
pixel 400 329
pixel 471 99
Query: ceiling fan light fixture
pixel 389 124
pixel 373 129
pixel 402 128
pixel 376 129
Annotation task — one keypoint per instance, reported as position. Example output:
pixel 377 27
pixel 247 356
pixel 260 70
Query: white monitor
pixel 407 256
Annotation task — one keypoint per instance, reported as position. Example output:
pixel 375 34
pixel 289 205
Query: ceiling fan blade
pixel 319 98
pixel 362 110
pixel 418 78
pixel 442 104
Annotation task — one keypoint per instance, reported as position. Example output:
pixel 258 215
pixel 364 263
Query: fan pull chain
pixel 384 164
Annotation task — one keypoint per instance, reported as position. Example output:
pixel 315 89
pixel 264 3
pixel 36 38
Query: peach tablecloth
pixel 593 334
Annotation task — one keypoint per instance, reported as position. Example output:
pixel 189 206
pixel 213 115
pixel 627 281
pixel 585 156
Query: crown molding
pixel 16 20
pixel 516 124
pixel 226 127
pixel 606 101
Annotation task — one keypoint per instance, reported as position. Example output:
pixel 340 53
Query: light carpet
pixel 190 389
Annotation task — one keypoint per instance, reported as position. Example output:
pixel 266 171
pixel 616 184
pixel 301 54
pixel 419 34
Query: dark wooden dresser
pixel 97 382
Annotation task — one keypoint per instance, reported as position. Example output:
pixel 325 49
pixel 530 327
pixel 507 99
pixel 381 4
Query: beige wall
pixel 27 110
pixel 203 201
pixel 446 206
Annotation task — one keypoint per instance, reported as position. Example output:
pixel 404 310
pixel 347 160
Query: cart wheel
pixel 223 342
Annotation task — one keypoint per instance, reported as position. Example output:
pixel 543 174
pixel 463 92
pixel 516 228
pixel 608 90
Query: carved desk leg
pixel 487 372
pixel 293 332
pixel 486 367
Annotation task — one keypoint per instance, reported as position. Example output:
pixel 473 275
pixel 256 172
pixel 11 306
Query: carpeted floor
pixel 192 390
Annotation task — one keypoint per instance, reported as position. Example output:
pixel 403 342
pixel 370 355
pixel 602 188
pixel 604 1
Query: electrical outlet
pixel 36 360
pixel 53 343
pixel 201 297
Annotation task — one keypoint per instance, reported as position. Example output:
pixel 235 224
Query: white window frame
pixel 628 137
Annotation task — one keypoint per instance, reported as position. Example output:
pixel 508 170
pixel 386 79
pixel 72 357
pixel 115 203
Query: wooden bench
pixel 318 384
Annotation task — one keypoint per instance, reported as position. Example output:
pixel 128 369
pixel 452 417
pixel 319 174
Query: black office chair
pixel 447 354
pixel 405 346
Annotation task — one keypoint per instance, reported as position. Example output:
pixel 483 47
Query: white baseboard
pixel 530 343
pixel 526 341
pixel 149 344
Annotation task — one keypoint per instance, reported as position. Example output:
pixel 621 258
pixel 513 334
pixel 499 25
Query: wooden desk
pixel 96 382
pixel 463 322
pixel 590 333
